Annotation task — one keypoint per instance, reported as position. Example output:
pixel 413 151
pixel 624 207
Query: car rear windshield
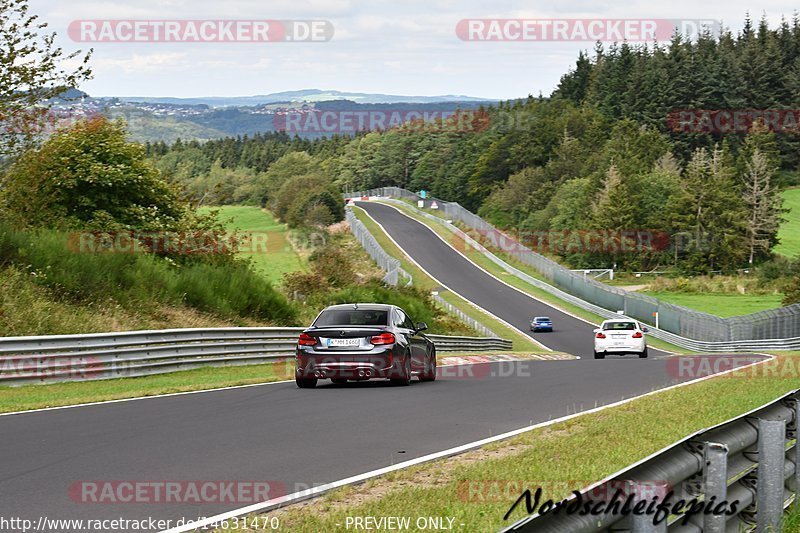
pixel 627 326
pixel 542 319
pixel 353 317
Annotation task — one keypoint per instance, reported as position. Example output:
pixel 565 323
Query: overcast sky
pixel 407 47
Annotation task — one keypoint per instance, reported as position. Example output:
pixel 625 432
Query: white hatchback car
pixel 620 336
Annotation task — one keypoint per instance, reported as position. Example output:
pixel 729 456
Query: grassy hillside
pixel 721 304
pixel 790 231
pixel 48 287
pixel 144 126
pixel 277 257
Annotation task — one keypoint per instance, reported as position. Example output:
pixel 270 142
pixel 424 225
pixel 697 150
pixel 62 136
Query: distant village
pixel 116 107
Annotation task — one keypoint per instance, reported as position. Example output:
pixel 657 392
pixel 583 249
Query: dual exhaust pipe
pixel 361 373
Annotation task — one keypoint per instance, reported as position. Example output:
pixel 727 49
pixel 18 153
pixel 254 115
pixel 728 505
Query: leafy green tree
pixel 614 208
pixel 32 72
pixel 90 176
pixel 309 200
pixel 764 204
pixel 792 292
pixel 525 191
pixel 710 212
pixel 286 167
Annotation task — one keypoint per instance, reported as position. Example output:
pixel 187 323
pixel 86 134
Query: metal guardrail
pixel 55 358
pixel 392 268
pixel 729 336
pixel 465 318
pixel 677 340
pixel 751 460
pixel 388 264
pixel 446 343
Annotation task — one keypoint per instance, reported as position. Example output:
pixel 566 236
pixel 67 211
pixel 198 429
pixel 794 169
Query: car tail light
pixel 306 340
pixel 600 335
pixel 383 338
pixel 637 335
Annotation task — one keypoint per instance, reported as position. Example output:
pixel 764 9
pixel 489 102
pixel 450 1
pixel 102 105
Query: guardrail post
pixel 715 483
pixel 643 523
pixel 797 454
pixel 769 486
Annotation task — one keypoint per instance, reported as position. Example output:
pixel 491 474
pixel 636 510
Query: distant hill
pixel 305 95
pixel 147 127
pixel 167 119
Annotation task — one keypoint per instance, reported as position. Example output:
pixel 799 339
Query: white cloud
pixel 379 45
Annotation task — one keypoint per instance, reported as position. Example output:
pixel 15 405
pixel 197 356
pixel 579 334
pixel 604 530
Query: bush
pixel 90 176
pixel 777 268
pixel 228 289
pixel 305 283
pixel 308 200
pixel 792 292
pixel 417 303
pixel 333 265
pixel 233 290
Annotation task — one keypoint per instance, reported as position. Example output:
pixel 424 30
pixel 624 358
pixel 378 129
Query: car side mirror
pixel 421 326
pixel 645 330
pixel 596 330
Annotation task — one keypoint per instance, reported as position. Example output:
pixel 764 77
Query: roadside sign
pixel 421 204
pixel 434 205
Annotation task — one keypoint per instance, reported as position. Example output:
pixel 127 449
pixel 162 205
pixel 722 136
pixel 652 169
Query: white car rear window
pixel 620 326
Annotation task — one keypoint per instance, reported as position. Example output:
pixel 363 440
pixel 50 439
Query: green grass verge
pixel 420 279
pixel 789 233
pixel 27 397
pixel 540 294
pixel 61 394
pixel 565 456
pixel 279 258
pixel 721 304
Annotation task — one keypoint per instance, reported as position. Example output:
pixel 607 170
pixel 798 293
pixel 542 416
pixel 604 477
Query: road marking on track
pixel 218 389
pixel 476 306
pixel 282 501
pixel 136 398
pixel 548 304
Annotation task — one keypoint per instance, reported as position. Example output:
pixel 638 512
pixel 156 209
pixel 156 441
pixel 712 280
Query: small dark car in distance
pixel 364 341
pixel 541 323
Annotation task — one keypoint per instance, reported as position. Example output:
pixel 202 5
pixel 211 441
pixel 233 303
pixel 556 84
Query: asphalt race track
pixel 570 335
pixel 294 439
pixel 287 436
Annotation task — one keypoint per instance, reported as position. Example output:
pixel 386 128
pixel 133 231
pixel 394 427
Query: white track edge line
pixel 544 302
pixel 473 304
pixel 137 398
pixel 316 491
pixel 218 389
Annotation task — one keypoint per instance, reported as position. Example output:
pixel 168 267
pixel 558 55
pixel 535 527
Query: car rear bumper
pixel 348 365
pixel 628 347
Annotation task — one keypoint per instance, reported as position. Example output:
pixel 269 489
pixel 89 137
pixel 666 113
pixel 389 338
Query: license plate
pixel 619 343
pixel 343 342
